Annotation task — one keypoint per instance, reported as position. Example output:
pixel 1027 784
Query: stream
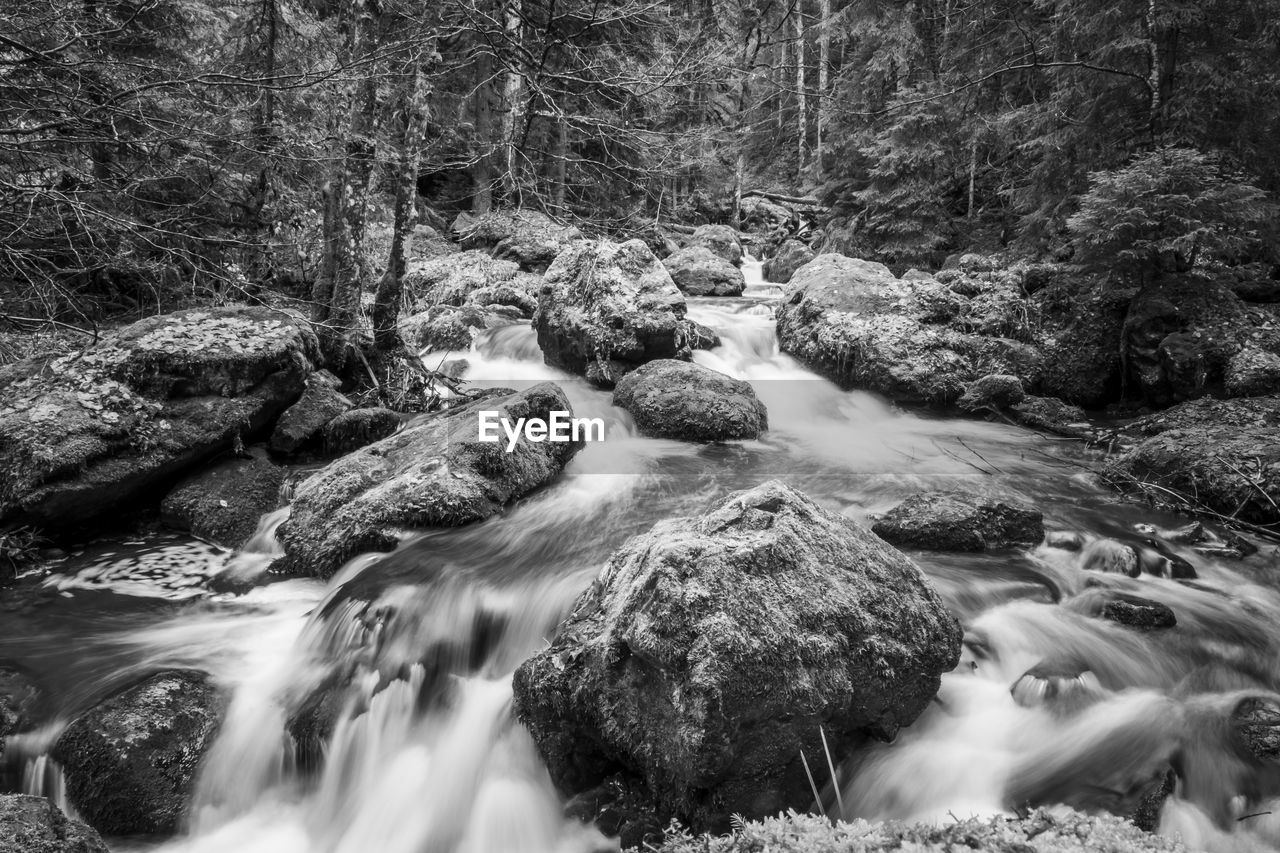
pixel 424 753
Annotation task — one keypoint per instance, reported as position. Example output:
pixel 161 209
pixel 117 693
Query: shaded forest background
pixel 160 151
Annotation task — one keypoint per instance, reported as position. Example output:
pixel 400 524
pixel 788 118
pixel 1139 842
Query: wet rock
pixel 436 473
pixel 303 422
pixel 1064 687
pixel 720 239
pixel 1256 722
pixel 1052 415
pixel 520 295
pixel 955 521
pixel 1111 556
pixel 1220 454
pixel 702 337
pixel 527 237
pixel 1252 372
pixel 709 652
pixel 698 271
pixel 354 429
pixel 35 825
pixel 790 256
pixel 83 435
pixel 1141 613
pixel 1064 540
pixel 854 322
pixel 606 308
pixel 224 503
pixel 311 726
pixel 993 392
pixel 1146 816
pixel 678 399
pixel 20 700
pixel 131 762
pixel 446 327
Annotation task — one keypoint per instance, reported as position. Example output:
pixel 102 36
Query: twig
pixel 832 768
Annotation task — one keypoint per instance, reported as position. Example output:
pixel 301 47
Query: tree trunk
pixel 801 111
pixel 1154 85
pixel 512 83
pixel 560 171
pixel 483 171
pixel 410 122
pixel 824 64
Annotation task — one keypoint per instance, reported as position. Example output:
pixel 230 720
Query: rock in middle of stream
pixel 713 652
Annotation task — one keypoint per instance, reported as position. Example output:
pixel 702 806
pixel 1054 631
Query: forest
pixel 569 426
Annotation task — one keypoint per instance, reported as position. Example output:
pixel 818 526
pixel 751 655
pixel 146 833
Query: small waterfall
pixel 252 561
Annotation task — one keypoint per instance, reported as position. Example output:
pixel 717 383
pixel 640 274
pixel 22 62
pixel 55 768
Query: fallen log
pixel 800 201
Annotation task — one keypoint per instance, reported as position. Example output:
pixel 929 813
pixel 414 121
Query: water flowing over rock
pixel 131 762
pixel 956 521
pixel 720 239
pixel 1223 455
pixel 529 238
pixel 446 327
pixel 303 422
pixel 435 473
pixel 224 503
pixel 83 435
pixel 35 825
pixel 710 651
pixel 606 308
pixel 698 271
pixel 913 341
pixel 678 399
pixel 790 256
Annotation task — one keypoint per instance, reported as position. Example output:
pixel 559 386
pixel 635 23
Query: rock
pixel 131 762
pixel 1081 341
pixel 974 262
pixel 354 429
pixel 698 271
pixel 519 294
pixel 1111 557
pixel 20 701
pixel 302 422
pixel 1219 454
pixel 606 308
pixel 527 237
pixel 720 239
pixel 678 399
pixel 445 327
pixel 790 256
pixel 1259 291
pixel 1141 613
pixel 1064 540
pixel 1062 686
pixel 428 242
pixel 435 473
pixel 761 216
pixel 709 652
pixel 1036 277
pixel 455 279
pixel 955 521
pixel 992 392
pixel 854 322
pixel 224 503
pixel 1052 415
pixel 35 825
pixel 81 436
pixel 1256 722
pixel 702 337
pixel 1252 372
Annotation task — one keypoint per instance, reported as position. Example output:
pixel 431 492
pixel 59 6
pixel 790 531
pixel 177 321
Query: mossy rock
pixel 224 503
pixel 35 825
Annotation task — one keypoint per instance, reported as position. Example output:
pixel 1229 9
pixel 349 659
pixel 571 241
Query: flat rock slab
pixel 955 521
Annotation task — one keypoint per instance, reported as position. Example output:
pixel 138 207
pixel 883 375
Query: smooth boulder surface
pixel 919 342
pixel 35 825
pixel 1219 454
pixel 302 423
pixel 606 308
pixel 709 652
pixel 224 503
pixel 435 473
pixel 720 239
pixel 83 435
pixel 958 521
pixel 790 256
pixel 682 400
pixel 698 271
pixel 131 762
pixel 528 238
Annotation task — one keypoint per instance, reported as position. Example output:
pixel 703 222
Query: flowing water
pixel 373 713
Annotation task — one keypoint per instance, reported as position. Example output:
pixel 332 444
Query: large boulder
pixel 526 237
pixel 712 652
pixel 720 239
pixel 358 427
pixel 606 308
pixel 1252 372
pixel 959 521
pixel 436 473
pixel 446 327
pixel 302 423
pixel 131 762
pixel 912 341
pixel 35 825
pixel 698 271
pixel 81 435
pixel 1223 455
pixel 762 216
pixel 225 502
pixel 469 278
pixel 678 399
pixel 790 256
